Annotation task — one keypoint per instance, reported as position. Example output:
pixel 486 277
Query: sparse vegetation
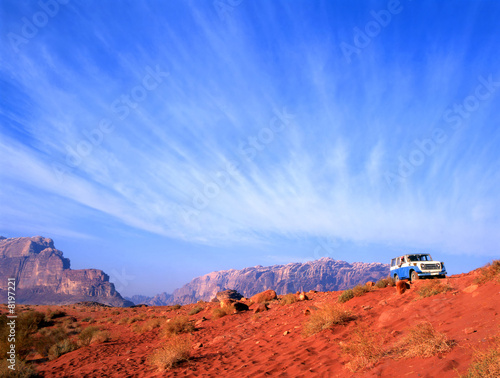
pixel 175 307
pixel 219 312
pixel 195 310
pixel 346 295
pixel 360 290
pixel 288 299
pixel 423 340
pixel 23 370
pixel 384 282
pixel 486 364
pixel 433 287
pixel 87 334
pixel 365 348
pixel 180 324
pixel 175 350
pixel 326 317
pixel 62 347
pixel 490 272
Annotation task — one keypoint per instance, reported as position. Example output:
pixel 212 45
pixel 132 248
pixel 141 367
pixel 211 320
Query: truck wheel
pixel 396 278
pixel 414 276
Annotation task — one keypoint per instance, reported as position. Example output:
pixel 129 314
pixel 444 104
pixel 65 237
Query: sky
pixel 162 140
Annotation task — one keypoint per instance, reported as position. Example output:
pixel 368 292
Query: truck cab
pixel 415 266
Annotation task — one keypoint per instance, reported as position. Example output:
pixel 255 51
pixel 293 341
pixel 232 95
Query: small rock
pixel 197 346
pixel 286 333
pixel 469 330
pixel 370 284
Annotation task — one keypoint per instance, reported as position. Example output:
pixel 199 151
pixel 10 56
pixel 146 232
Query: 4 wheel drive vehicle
pixel 415 266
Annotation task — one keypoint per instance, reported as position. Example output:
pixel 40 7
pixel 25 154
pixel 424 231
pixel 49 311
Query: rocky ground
pixel 373 341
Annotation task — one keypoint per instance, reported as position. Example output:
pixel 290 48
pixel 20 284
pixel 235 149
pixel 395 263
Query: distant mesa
pixel 44 276
pixel 325 274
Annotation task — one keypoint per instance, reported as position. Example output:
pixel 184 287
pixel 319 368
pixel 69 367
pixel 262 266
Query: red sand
pixel 242 345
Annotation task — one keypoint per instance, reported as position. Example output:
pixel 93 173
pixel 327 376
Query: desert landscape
pixel 442 327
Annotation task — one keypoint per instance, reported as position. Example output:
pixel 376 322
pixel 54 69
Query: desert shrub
pixel 86 335
pixel 54 315
pixel 489 272
pixel 423 340
pixel 23 370
pixel 175 307
pixel 47 338
pixel 100 337
pixel 288 299
pixel 219 312
pixel 485 364
pixel 180 324
pixel 147 326
pixel 175 350
pixel 115 312
pixel 345 296
pixel 60 348
pixel 326 317
pixel 195 310
pixel 360 290
pixel 134 319
pixel 433 287
pixel 384 282
pixel 124 320
pixel 365 348
pixel 87 319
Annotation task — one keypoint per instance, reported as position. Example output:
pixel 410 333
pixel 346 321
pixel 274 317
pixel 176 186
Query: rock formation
pixel 43 275
pixel 325 274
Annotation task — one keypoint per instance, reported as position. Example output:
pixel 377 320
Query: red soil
pixel 245 344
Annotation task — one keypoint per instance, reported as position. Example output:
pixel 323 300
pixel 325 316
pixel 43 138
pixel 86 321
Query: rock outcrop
pixel 325 274
pixel 43 275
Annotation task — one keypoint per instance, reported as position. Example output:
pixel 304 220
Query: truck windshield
pixel 419 258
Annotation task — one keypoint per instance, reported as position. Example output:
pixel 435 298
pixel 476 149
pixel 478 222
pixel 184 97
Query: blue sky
pixel 162 140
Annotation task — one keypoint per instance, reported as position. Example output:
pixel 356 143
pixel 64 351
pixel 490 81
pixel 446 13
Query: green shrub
pixel 360 290
pixel 345 296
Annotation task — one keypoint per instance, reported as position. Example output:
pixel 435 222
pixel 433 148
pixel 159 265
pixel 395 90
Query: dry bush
pixel 180 324
pixel 360 290
pixel 345 296
pixel 86 335
pixel 124 320
pixel 100 337
pixel 47 338
pixel 490 272
pixel 219 312
pixel 54 315
pixel 288 299
pixel 385 282
pixel 195 310
pixel 147 326
pixel 175 307
pixel 23 369
pixel 365 348
pixel 433 287
pixel 60 348
pixel 486 364
pixel 326 317
pixel 176 349
pixel 423 341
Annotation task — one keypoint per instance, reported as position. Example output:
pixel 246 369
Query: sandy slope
pixel 255 345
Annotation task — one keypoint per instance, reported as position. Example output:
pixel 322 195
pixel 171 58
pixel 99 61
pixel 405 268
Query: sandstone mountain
pixel 43 275
pixel 325 274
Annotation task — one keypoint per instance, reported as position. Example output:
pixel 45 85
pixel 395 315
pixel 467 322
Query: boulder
pixel 239 307
pixel 402 286
pixel 226 303
pixel 228 294
pixel 370 284
pixel 261 307
pixel 302 297
pixel 265 296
